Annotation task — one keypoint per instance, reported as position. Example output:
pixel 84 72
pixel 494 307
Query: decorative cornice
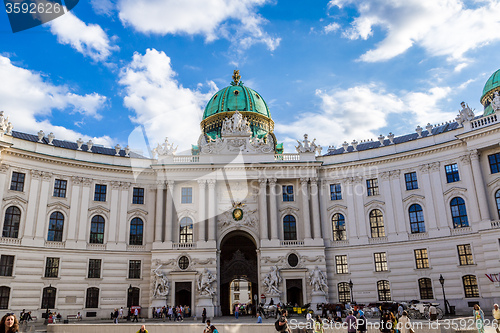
pixel 58 204
pixel 36 174
pixel 99 208
pixel 465 159
pixel 395 174
pixel 413 197
pixel 4 168
pixel 385 175
pixel 15 198
pixel 375 202
pixel 454 189
pixel 46 176
pixel 337 207
pixel 137 211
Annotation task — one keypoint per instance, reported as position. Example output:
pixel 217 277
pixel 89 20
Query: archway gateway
pixel 238 258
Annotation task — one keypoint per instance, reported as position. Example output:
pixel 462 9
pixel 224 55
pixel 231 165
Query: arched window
pixel 384 291
pixel 49 298
pixel 425 287
pixel 92 298
pixel 97 230
pixel 4 297
pixel 56 225
pixel 377 223
pixel 497 198
pixel 459 213
pixel 338 224
pixel 186 230
pixel 416 219
pixel 470 286
pixel 136 231
pixel 344 292
pixel 289 228
pixel 11 222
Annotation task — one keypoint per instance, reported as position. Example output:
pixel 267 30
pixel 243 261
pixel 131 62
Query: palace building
pixel 88 229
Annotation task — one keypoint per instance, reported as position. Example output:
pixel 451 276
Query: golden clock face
pixel 237 214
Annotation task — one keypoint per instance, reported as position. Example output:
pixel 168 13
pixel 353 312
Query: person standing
pixel 496 317
pixel 136 314
pixel 282 323
pixel 318 325
pixel 9 324
pixel 120 313
pixel 404 323
pixel 385 322
pixel 207 328
pixel 350 320
pixel 237 311
pixel 432 312
pixel 142 329
pixel 478 315
pixel 259 319
pixel 309 320
pixel 115 316
pixel 362 322
pixel 204 315
pixel 400 310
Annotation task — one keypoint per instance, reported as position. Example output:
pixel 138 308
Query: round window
pixel 183 262
pixel 293 260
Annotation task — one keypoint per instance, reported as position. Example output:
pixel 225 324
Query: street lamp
pixel 350 288
pixel 129 301
pixel 441 280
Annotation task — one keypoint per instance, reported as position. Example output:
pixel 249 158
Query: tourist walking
pixel 404 323
pixel 478 315
pixel 318 325
pixel 204 315
pixel 207 328
pixel 496 317
pixel 9 323
pixel 281 324
pixel 351 323
pixel 136 314
pixel 362 322
pixel 115 316
pixel 385 322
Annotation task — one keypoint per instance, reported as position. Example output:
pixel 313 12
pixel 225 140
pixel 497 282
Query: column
pixel 429 210
pixel 123 231
pixel 361 219
pixel 160 187
pixel 348 193
pixel 304 191
pixel 273 209
pixel 169 212
pixel 201 210
pixel 29 229
pixel 3 178
pixel 211 210
pixel 42 220
pixel 482 198
pixel 315 208
pixel 324 197
pixel 389 218
pixel 74 205
pixel 84 223
pixel 397 198
pixel 263 210
pixel 471 200
pixel 437 194
pixel 113 213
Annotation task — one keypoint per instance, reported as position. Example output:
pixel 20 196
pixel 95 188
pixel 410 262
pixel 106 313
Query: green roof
pixel 236 98
pixel 492 83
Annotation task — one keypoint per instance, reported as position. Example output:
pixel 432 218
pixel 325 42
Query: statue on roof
pixel 466 114
pixel 236 78
pixel 307 146
pixel 495 103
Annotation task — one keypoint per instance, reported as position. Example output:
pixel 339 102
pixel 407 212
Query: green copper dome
pixel 236 98
pixel 492 85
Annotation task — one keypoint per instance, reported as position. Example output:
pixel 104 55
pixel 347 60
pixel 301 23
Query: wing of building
pixel 89 229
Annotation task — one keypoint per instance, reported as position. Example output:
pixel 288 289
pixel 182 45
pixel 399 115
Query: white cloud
pixel 360 112
pixel 90 40
pixel 332 27
pixel 28 101
pixel 160 103
pixel 442 27
pixel 237 21
pixel 102 7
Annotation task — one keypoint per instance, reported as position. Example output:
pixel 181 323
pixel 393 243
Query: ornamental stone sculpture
pixel 307 146
pixel 273 280
pixel 161 284
pixel 317 279
pixel 466 114
pixel 236 125
pixel 165 149
pixel 495 103
pixel 204 283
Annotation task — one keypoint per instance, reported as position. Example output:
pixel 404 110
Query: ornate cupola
pixel 237 97
pixel 491 94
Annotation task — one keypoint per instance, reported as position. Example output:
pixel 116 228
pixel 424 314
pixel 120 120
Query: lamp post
pixel 129 301
pixel 441 280
pixel 350 288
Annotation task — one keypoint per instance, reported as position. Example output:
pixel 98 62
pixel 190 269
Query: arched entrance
pixel 238 263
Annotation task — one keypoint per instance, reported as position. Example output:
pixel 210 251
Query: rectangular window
pixel 17 183
pixel 465 255
pixel 52 268
pixel 60 188
pixel 335 192
pixel 6 265
pixel 100 192
pixel 372 187
pixel 138 196
pixel 411 181
pixel 187 195
pixel 341 264
pixel 452 173
pixel 134 269
pixel 421 258
pixel 380 262
pixel 287 193
pixel 94 269
pixel 494 162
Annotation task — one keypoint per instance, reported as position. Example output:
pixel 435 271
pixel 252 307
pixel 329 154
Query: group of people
pixel 118 314
pixel 177 313
pixel 25 316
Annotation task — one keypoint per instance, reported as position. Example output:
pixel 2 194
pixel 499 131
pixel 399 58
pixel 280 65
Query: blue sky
pixel 338 70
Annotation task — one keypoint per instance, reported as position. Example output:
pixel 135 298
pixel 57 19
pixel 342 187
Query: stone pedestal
pixel 276 297
pixel 318 297
pixel 205 301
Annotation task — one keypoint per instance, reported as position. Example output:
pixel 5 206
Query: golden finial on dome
pixel 236 77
